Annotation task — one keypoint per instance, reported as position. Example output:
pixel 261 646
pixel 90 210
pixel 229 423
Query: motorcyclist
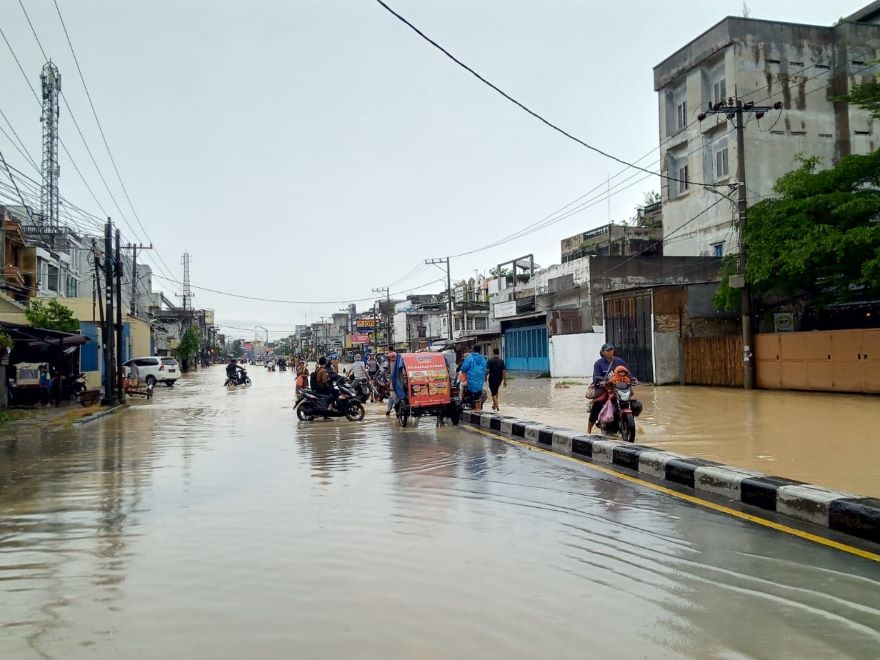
pixel 322 383
pixel 602 369
pixel 474 367
pixel 233 370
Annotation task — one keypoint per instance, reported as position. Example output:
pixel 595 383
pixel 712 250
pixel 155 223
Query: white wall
pixel 573 356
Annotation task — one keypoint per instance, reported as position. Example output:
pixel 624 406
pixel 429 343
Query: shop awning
pixel 39 337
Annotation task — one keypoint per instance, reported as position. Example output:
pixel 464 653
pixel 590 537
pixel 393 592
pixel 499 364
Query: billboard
pixel 360 338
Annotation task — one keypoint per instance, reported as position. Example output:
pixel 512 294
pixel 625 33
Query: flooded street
pixel 212 524
pixel 820 438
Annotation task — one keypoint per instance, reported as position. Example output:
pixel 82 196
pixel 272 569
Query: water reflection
pixel 206 524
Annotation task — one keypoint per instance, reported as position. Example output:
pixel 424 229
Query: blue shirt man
pixel 474 365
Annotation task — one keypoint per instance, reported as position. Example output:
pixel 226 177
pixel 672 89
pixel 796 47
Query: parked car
pixel 155 369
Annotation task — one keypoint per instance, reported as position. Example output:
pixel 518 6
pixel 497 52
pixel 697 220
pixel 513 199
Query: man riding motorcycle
pixel 233 370
pixel 602 369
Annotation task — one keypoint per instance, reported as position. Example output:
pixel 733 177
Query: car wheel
pixel 150 380
pixel 169 383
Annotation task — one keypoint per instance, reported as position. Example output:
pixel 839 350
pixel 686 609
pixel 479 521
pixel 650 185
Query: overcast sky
pixel 315 149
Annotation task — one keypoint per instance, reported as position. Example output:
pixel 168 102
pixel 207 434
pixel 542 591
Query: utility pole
pixel 436 262
pixel 118 273
pixel 734 109
pixel 107 332
pixel 388 332
pixel 134 271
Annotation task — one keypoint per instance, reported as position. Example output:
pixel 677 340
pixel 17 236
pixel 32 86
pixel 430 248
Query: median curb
pixel 98 415
pixel 838 511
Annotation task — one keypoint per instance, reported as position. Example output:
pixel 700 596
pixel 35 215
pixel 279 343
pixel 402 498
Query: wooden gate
pixel 713 361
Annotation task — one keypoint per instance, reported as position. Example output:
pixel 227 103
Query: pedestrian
pixel 474 367
pixel 372 366
pixel 302 378
pixel 496 374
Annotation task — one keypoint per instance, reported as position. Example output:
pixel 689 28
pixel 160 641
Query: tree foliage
pixel 189 344
pixel 51 316
pixel 865 96
pixel 821 235
pixel 237 349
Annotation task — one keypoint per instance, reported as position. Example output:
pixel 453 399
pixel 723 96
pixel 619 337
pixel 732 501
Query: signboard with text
pixel 360 338
pixel 366 325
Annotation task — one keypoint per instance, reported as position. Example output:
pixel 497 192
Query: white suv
pixel 154 370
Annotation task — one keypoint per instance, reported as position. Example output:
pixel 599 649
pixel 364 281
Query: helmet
pixel 606 347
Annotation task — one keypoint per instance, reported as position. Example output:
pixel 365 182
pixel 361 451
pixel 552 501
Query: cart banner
pixel 428 379
pixel 360 338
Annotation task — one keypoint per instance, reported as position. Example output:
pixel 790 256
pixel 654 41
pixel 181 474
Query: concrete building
pixel 805 67
pixel 644 237
pixel 555 323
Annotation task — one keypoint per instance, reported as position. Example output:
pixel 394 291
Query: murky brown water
pixel 213 525
pixel 828 439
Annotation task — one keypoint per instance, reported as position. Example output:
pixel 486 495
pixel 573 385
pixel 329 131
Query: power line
pixel 293 302
pixel 101 130
pixel 85 183
pixel 522 106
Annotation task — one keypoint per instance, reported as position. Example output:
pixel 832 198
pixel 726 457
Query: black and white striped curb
pixel 841 512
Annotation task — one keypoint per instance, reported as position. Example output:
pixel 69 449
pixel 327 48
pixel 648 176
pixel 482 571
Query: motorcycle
pixel 363 389
pixel 241 379
pixel 71 386
pixel 311 404
pixel 465 396
pixel 626 409
pixel 270 365
pixel 282 366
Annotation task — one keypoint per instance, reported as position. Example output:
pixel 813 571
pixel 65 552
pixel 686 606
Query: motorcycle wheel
pixel 247 381
pixel 355 413
pixel 628 428
pixel 303 416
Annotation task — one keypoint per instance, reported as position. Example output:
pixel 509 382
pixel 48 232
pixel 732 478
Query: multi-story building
pixel 805 67
pixel 619 240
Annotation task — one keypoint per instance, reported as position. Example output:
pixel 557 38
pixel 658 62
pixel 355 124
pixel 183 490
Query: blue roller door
pixel 526 349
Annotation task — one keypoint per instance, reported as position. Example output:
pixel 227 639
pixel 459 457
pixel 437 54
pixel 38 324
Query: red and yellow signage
pixel 428 379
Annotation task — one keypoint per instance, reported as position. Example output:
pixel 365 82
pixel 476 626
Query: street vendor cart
pixel 421 384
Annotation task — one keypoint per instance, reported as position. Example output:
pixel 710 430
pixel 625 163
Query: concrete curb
pixel 841 512
pixel 98 415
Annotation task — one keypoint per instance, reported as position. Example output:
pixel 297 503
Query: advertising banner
pixel 366 325
pixel 360 338
pixel 428 379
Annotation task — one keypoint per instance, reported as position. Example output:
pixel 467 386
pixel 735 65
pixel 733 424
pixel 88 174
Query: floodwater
pixel 212 524
pixel 832 440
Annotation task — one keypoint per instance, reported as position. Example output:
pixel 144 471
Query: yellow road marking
pixel 865 554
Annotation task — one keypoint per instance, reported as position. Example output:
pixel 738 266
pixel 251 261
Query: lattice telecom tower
pixel 51 81
pixel 187 291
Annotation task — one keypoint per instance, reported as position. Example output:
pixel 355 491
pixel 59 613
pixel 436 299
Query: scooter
pixel 241 380
pixel 311 404
pixel 626 409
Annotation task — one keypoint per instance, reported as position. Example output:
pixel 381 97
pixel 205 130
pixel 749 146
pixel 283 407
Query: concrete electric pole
pixel 437 262
pixel 734 109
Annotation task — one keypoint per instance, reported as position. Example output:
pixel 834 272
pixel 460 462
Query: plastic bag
pixel 606 415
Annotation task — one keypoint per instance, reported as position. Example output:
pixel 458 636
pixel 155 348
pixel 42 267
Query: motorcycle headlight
pixel 624 394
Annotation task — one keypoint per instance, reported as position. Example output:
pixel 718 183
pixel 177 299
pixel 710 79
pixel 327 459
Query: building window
pixel 682 114
pixel 481 323
pixel 71 287
pixel 457 323
pixel 719 92
pixel 718 249
pixel 682 179
pixel 722 167
pixel 52 277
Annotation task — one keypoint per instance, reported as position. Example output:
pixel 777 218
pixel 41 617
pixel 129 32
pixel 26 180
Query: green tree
pixel 820 236
pixel 865 96
pixel 51 316
pixel 237 350
pixel 188 346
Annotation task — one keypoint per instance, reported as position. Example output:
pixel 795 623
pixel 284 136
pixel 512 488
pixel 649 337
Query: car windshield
pixel 169 361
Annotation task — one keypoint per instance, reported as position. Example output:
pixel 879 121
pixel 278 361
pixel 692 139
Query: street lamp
pixel 256 336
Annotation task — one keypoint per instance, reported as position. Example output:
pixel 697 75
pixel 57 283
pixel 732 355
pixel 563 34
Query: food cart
pixel 421 382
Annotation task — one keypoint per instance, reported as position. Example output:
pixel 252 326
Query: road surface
pixel 212 524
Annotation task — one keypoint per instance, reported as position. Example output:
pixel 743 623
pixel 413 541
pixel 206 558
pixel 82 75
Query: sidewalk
pixel 27 420
pixel 825 439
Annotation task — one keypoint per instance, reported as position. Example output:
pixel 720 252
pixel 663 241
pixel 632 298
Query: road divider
pixel 846 513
